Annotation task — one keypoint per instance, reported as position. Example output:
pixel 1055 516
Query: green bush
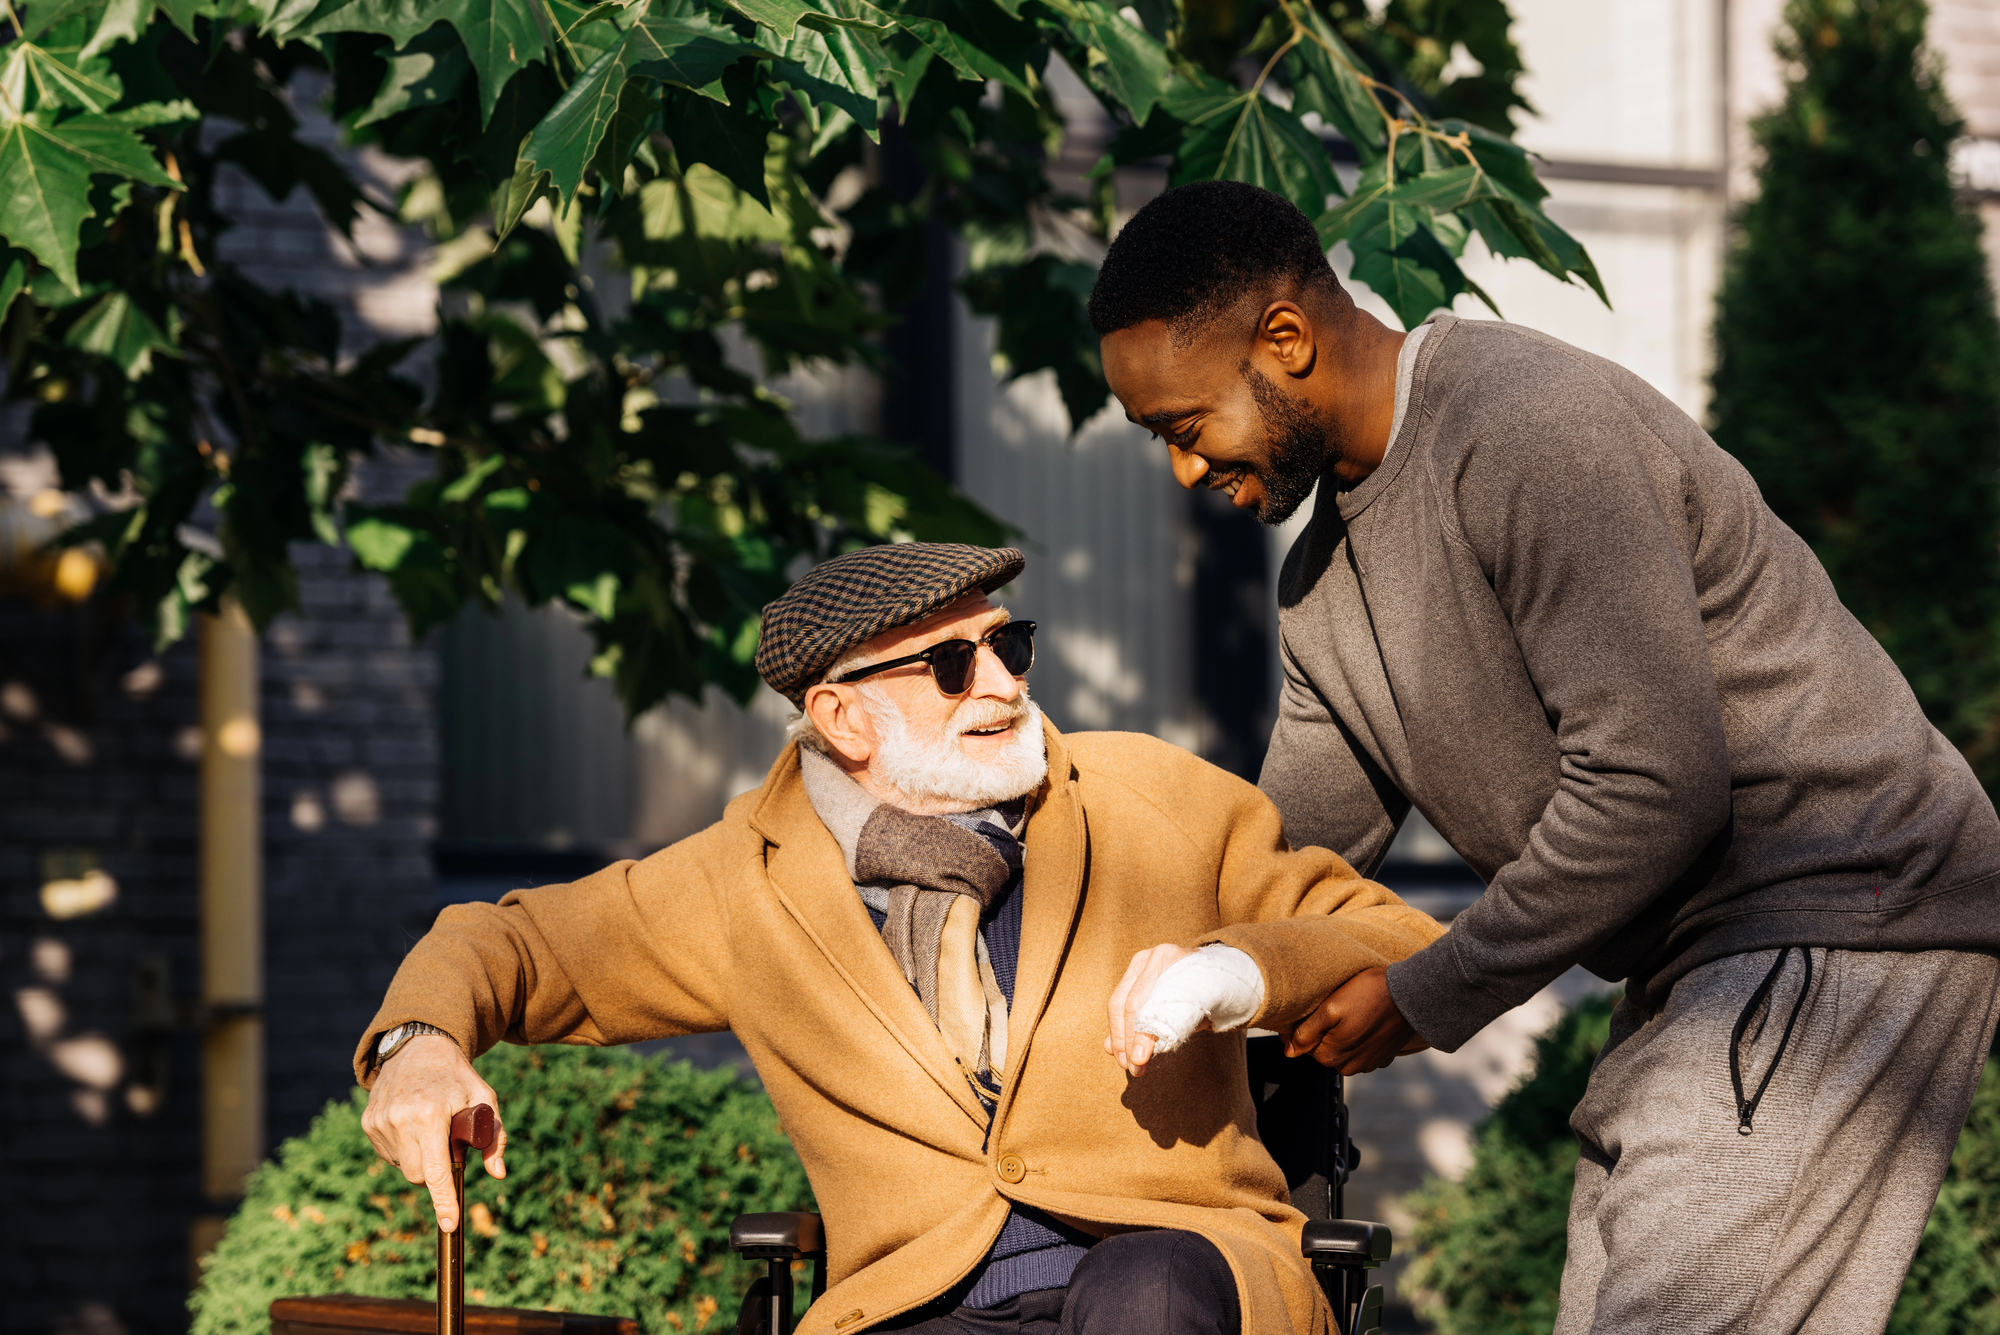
pixel 1954 1283
pixel 1857 370
pixel 1490 1249
pixel 623 1175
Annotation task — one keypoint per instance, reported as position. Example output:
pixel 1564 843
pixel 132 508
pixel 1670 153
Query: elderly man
pixel 921 927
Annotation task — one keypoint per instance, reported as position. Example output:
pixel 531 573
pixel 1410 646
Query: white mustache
pixel 974 715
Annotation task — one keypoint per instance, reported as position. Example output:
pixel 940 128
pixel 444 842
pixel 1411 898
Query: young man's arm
pixel 593 962
pixel 1580 519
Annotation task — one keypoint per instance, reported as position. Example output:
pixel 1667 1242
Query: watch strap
pixel 393 1041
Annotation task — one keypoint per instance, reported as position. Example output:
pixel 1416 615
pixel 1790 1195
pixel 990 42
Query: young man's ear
pixel 842 720
pixel 1285 335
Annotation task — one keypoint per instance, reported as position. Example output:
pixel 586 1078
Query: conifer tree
pixel 1858 356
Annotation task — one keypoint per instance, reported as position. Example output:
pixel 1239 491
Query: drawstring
pixel 1746 1109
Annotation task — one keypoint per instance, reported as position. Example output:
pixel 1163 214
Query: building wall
pixel 98 1151
pixel 99 1094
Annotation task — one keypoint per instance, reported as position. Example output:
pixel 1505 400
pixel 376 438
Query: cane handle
pixel 476 1126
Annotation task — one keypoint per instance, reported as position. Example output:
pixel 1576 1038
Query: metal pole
pixel 232 914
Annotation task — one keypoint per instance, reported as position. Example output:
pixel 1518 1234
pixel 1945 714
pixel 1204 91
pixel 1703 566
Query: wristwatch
pixel 393 1041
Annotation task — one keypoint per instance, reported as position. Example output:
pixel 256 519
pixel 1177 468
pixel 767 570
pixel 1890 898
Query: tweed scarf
pixel 934 879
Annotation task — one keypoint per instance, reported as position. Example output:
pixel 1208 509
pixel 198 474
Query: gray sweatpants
pixel 1682 1223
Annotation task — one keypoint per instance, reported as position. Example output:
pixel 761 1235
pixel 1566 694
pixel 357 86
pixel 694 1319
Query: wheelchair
pixel 1302 1120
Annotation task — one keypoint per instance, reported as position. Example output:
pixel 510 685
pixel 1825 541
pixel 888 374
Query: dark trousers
pixel 1158 1282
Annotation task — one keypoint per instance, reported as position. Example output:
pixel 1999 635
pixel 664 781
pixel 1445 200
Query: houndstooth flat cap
pixel 853 598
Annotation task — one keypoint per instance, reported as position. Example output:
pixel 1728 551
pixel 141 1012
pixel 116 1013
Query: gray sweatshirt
pixel 1561 622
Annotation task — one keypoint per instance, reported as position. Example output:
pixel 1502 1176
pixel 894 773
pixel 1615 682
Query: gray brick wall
pixel 96 766
pixel 97 1196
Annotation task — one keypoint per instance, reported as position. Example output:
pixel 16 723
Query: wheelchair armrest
pixel 784 1236
pixel 1346 1242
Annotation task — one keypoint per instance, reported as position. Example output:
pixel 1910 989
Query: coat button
pixel 1011 1168
pixel 847 1319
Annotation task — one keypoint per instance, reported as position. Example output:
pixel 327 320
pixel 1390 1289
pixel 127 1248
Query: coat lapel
pixel 810 879
pixel 1055 857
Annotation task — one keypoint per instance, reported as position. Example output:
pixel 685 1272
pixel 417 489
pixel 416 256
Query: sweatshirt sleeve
pixel 636 951
pixel 1327 789
pixel 1577 515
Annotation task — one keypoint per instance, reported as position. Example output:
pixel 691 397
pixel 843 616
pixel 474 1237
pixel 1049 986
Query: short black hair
pixel 1199 250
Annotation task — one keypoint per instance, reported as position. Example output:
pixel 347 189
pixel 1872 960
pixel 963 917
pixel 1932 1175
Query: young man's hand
pixel 409 1115
pixel 1357 1029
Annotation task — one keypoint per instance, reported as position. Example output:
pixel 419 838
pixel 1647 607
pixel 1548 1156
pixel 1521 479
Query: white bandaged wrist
pixel 1217 983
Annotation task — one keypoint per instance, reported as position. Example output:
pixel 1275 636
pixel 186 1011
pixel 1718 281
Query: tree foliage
pixel 640 205
pixel 623 1174
pixel 1858 356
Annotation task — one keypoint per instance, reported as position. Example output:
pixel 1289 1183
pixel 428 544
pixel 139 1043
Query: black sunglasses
pixel 954 663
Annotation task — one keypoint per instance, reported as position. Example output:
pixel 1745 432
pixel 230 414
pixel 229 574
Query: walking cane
pixel 474 1127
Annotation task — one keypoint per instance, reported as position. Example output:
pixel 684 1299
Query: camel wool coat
pixel 753 925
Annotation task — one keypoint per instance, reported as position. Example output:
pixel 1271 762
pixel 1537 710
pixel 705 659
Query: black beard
pixel 1300 450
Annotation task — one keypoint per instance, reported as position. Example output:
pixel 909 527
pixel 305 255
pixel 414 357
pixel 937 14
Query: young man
pixel 919 927
pixel 1538 604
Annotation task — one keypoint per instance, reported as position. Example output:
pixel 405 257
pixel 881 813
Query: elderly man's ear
pixel 843 720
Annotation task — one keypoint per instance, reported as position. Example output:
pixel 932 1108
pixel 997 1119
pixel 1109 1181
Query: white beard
pixel 940 771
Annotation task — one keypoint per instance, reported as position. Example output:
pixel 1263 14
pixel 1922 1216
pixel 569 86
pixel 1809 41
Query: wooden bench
pixel 340 1314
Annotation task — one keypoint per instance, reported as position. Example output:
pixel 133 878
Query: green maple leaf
pixel 783 16
pixel 118 329
pixel 13 279
pixel 501 36
pixel 568 136
pixel 1237 135
pixel 727 140
pixel 1412 288
pixel 48 166
pixel 687 50
pixel 1326 77
pixel 424 73
pixel 56 82
pixel 123 21
pixel 972 64
pixel 1124 58
pixel 843 68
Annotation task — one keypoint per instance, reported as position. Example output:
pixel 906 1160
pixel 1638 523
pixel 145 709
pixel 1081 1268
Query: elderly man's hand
pixel 1357 1029
pixel 409 1116
pixel 1132 1048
